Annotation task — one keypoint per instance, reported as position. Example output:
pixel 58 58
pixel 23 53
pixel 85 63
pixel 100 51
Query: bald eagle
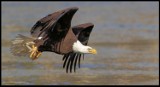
pixel 54 33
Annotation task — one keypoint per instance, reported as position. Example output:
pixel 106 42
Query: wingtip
pixel 73 8
pixel 84 25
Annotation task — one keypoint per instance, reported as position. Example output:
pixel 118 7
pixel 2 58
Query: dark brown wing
pixel 82 32
pixel 53 29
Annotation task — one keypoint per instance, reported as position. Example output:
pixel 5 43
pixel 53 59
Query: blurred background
pixel 126 36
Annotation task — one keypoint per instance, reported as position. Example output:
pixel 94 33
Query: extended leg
pixel 33 49
pixel 39 53
pixel 28 45
pixel 33 52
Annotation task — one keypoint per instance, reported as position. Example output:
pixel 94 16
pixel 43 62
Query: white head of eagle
pixel 78 47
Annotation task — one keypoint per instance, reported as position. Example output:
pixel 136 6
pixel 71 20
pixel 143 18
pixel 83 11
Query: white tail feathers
pixel 18 46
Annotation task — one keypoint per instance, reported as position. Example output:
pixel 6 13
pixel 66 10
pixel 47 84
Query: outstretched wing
pixel 53 28
pixel 82 32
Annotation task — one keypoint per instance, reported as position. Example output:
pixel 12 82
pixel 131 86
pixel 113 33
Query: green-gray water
pixel 126 36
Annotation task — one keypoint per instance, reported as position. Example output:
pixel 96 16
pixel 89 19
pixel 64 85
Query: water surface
pixel 125 35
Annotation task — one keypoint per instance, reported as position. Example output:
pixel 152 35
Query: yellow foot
pixel 34 53
pixel 38 54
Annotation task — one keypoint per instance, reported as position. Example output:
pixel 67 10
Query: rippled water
pixel 125 36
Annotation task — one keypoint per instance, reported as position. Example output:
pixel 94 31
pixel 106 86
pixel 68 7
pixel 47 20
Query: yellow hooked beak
pixel 93 51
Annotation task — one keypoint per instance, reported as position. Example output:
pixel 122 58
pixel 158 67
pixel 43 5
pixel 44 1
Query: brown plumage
pixel 82 33
pixel 54 33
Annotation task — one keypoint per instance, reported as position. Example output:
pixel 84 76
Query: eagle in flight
pixel 54 33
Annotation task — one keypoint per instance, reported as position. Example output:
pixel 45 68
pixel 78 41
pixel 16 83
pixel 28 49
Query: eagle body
pixel 61 47
pixel 54 33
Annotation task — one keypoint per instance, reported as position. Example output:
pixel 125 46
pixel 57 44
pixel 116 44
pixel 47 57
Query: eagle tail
pixel 19 45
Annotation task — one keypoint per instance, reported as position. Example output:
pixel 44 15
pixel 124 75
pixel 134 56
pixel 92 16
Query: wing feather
pixel 82 32
pixel 53 29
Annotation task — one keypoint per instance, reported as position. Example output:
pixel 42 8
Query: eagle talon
pixel 34 52
pixel 39 53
